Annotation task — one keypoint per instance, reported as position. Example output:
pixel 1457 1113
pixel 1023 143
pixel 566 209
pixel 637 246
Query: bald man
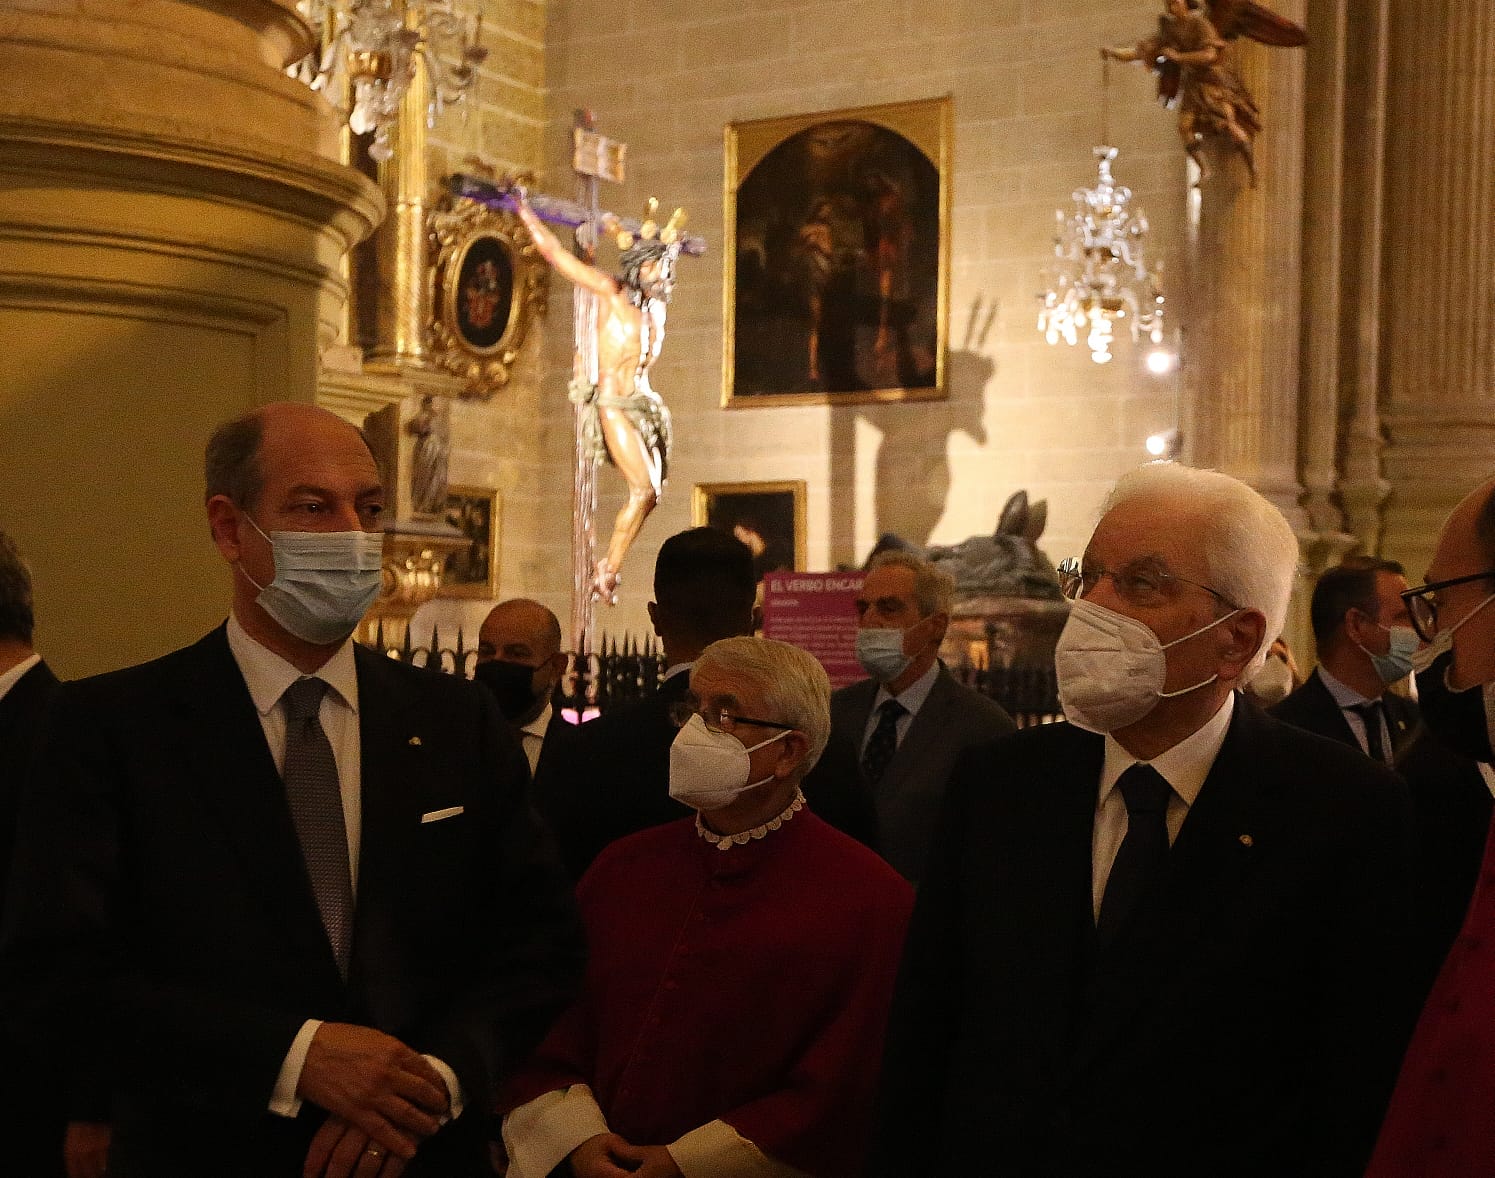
pixel 290 890
pixel 520 661
pixel 1442 1116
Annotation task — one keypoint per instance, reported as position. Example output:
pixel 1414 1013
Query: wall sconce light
pixel 1166 444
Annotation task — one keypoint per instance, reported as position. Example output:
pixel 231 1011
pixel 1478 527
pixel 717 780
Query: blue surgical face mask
pixel 880 651
pixel 1396 663
pixel 324 581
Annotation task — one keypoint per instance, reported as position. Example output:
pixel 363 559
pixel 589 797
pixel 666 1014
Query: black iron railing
pixel 627 669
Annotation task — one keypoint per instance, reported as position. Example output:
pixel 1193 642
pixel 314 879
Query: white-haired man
pixel 741 960
pixel 1165 937
pixel 910 719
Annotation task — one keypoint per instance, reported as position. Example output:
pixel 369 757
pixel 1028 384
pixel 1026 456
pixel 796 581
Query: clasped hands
pixel 383 1100
pixel 609 1156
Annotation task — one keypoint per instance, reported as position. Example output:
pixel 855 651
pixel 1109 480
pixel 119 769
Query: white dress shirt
pixel 532 736
pixel 267 676
pixel 911 697
pixel 1184 767
pixel 14 675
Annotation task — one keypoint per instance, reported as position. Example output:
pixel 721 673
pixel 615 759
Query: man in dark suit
pixel 1164 938
pixel 289 892
pixel 911 719
pixel 520 660
pixel 611 777
pixel 34 1118
pixel 1365 644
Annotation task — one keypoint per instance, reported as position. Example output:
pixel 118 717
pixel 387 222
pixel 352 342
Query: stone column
pixel 1438 339
pixel 172 222
pixel 1242 354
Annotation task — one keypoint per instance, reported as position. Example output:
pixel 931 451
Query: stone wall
pixel 1025 78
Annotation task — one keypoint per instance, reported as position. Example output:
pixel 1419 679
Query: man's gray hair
pixel 934 588
pixel 17 616
pixel 794 685
pixel 231 463
pixel 1248 545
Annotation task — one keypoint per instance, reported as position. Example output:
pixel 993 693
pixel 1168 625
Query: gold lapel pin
pixel 415 740
pixel 1247 841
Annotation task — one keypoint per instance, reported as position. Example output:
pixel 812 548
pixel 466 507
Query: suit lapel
pixel 1213 854
pixel 229 761
pixel 392 756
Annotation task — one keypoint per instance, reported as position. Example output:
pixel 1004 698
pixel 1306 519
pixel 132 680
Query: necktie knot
pixel 1144 790
pixel 890 712
pixel 303 699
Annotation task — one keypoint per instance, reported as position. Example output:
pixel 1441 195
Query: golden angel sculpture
pixel 625 421
pixel 1191 55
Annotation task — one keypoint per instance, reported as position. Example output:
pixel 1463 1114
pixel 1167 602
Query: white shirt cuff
pixel 283 1099
pixel 716 1150
pixel 541 1134
pixel 453 1086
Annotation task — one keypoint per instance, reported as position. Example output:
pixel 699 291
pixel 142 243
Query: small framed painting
pixel 768 517
pixel 472 571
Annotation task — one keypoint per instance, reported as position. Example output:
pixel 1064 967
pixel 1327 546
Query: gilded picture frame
pixel 472 572
pixel 488 285
pixel 768 517
pixel 837 256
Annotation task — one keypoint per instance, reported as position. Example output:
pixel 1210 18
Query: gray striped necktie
pixel 316 801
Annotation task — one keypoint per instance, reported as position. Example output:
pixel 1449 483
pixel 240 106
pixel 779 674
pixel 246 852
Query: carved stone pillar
pixel 1438 341
pixel 1242 352
pixel 172 222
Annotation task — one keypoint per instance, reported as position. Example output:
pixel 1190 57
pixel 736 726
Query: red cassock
pixel 749 985
pixel 1441 1123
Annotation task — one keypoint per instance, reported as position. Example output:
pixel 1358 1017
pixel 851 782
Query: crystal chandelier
pixel 369 50
pixel 1100 273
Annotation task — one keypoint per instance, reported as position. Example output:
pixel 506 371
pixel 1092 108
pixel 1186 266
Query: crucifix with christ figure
pixel 619 329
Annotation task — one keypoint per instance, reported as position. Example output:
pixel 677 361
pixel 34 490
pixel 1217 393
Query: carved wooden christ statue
pixel 1191 54
pixel 625 420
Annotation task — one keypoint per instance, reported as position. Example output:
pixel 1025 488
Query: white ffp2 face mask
pixel 324 581
pixel 709 769
pixel 1111 668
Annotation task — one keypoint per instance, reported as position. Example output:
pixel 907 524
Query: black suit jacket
pixel 611 778
pixel 32 1115
pixel 908 796
pixel 1249 1022
pixel 162 910
pixel 1313 709
pixel 22 710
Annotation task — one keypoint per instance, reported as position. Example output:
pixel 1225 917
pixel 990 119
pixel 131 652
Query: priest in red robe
pixel 742 961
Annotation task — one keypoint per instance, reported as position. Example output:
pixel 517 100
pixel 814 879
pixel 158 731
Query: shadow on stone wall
pixel 913 471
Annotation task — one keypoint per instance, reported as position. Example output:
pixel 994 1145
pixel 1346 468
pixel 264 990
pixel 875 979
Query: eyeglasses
pixel 1423 610
pixel 1140 582
pixel 717 719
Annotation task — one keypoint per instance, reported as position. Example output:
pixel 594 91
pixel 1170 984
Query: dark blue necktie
pixel 1143 852
pixel 883 742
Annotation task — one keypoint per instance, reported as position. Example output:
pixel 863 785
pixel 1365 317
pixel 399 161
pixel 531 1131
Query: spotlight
pixel 1160 361
pixel 1165 444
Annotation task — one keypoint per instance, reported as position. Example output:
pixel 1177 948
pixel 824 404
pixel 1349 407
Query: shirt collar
pixel 267 675
pixel 537 726
pixel 913 696
pixel 1184 766
pixel 14 675
pixel 1344 696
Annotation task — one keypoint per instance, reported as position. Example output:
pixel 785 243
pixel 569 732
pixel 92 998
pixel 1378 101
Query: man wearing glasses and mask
pixel 741 960
pixel 1164 938
pixel 1442 1117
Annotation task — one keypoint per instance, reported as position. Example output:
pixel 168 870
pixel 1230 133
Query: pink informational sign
pixel 816 612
